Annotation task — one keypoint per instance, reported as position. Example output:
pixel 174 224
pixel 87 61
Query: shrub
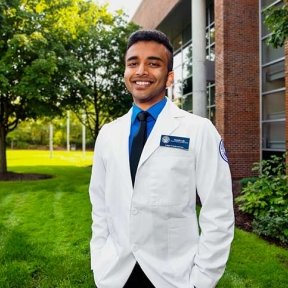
pixel 244 182
pixel 267 198
pixel 274 224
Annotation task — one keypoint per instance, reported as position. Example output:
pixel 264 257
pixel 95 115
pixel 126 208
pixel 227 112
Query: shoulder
pixel 117 123
pixel 187 117
pixel 196 125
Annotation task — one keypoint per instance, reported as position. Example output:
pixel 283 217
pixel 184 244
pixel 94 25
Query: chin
pixel 141 97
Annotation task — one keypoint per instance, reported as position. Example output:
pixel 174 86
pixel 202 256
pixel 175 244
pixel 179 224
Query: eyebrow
pixel 149 58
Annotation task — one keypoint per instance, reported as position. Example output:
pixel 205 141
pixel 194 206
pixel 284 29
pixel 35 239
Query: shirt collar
pixel 154 110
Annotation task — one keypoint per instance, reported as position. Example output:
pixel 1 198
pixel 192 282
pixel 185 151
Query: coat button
pixel 135 247
pixel 134 211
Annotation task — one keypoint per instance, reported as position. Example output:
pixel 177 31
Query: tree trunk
pixel 3 158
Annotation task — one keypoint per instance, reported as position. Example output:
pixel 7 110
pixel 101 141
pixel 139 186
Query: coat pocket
pixel 103 259
pixel 171 179
pixel 183 238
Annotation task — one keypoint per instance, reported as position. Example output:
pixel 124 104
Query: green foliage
pixel 244 181
pixel 98 85
pixel 273 224
pixel 267 198
pixel 35 133
pixel 277 21
pixel 57 55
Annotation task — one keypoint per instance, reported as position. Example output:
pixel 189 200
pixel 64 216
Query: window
pixel 273 91
pixel 273 76
pixel 274 136
pixel 182 93
pixel 273 106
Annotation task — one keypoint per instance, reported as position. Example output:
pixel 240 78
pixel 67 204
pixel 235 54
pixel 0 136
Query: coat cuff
pixel 201 280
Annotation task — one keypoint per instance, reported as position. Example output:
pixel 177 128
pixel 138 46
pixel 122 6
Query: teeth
pixel 142 83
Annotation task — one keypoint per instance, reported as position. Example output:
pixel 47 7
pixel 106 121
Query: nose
pixel 141 70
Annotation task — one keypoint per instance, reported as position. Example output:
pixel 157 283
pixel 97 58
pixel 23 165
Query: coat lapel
pixel 166 123
pixel 122 132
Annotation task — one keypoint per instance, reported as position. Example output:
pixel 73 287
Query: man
pixel 145 228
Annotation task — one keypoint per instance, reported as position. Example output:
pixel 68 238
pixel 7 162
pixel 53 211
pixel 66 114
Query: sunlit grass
pixel 45 224
pixel 44 157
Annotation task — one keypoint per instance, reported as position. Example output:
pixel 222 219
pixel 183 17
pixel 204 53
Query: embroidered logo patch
pixel 165 139
pixel 222 151
pixel 175 142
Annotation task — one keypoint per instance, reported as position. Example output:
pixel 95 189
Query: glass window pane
pixel 187 69
pixel 177 87
pixel 187 61
pixel 210 36
pixel 273 77
pixel 210 53
pixel 177 60
pixel 211 95
pixel 187 102
pixel 211 114
pixel 210 13
pixel 274 135
pixel 187 86
pixel 187 34
pixel 187 53
pixel 177 42
pixel 270 54
pixel 274 106
pixel 265 3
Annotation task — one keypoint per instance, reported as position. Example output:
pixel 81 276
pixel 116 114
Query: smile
pixel 143 83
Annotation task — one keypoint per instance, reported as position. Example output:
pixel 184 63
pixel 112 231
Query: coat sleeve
pixel 216 219
pixel 97 198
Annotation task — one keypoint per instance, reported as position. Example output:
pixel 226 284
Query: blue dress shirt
pixel 154 112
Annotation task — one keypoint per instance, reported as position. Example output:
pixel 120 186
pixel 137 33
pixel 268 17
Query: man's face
pixel 146 72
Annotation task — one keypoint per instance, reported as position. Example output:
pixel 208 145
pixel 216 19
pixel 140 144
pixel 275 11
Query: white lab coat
pixel 155 223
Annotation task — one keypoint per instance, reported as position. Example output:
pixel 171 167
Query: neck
pixel 145 105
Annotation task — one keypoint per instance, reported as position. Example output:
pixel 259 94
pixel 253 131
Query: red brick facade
pixel 237 82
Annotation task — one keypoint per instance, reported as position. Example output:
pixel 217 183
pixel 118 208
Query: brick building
pixel 229 74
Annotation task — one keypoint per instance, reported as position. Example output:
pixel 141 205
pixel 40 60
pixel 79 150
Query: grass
pixel 45 225
pixel 45 230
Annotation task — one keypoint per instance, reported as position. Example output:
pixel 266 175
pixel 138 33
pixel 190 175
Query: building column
pixel 199 57
pixel 237 82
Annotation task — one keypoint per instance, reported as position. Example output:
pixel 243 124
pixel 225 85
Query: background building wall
pixel 237 82
pixel 251 90
pixel 150 12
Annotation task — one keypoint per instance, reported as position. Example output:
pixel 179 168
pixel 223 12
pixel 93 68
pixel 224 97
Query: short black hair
pixel 152 35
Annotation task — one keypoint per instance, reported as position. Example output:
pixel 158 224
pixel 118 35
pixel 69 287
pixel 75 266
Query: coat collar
pixel 167 122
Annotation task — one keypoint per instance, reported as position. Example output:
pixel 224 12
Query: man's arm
pixel 216 217
pixel 97 198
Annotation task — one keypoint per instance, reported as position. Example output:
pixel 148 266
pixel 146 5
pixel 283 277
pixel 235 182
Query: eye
pixel 132 64
pixel 153 64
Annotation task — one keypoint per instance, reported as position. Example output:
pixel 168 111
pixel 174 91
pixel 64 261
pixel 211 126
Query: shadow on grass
pixel 28 263
pixel 13 176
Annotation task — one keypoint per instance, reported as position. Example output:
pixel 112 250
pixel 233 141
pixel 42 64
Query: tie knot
pixel 142 116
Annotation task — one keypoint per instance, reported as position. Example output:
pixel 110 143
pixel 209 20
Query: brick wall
pixel 237 82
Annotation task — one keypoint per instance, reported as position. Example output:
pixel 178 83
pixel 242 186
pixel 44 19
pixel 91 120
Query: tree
pixel 276 18
pixel 98 75
pixel 36 64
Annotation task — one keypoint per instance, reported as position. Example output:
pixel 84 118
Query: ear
pixel 170 79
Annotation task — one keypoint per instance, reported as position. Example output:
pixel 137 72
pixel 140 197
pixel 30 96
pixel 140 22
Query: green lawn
pixel 45 230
